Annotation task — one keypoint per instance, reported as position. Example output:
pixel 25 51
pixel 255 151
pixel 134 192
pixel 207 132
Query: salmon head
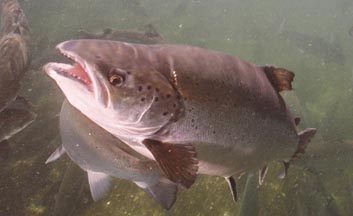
pixel 115 86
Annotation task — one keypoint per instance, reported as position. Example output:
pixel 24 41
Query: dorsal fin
pixel 280 78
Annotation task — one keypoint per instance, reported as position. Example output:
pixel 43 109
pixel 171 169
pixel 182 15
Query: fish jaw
pixel 78 92
pixel 81 77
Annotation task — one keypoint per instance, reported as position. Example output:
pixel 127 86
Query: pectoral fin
pixel 178 161
pixel 233 188
pixel 56 155
pixel 99 184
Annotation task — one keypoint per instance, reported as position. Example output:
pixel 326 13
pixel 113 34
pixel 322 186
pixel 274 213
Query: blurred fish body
pixel 14 119
pixel 328 51
pixel 14 50
pixel 150 36
pixel 250 200
pixel 192 110
pixel 104 156
pixel 70 190
pixel 13 19
pixel 15 112
pixel 13 61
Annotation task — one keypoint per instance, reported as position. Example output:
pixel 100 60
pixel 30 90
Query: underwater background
pixel 312 38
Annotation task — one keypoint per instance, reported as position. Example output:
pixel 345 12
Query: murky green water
pixel 311 38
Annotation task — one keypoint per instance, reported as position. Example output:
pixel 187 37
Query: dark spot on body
pixel 149 87
pixel 156 99
pixel 214 132
pixel 174 105
pixel 128 72
pixel 168 95
pixel 165 113
pixel 192 120
pixel 140 88
pixel 157 89
pixel 143 99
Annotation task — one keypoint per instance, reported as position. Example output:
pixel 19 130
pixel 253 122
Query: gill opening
pixel 146 109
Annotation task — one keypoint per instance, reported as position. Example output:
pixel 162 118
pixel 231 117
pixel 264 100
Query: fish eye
pixel 116 77
pixel 116 80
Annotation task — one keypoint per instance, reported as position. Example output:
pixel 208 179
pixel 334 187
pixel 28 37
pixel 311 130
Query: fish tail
pixel 305 137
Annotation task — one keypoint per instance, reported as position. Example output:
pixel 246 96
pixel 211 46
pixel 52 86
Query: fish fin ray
pixel 55 155
pixel 178 161
pixel 280 78
pixel 164 193
pixel 305 137
pixel 262 174
pixel 233 187
pixel 99 184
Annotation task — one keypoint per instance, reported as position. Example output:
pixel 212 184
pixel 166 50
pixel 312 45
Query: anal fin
pixel 178 161
pixel 233 187
pixel 99 184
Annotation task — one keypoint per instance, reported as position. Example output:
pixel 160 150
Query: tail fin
pixel 164 192
pixel 305 137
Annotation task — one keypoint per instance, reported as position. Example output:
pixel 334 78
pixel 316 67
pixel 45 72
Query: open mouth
pixel 76 71
pixel 82 71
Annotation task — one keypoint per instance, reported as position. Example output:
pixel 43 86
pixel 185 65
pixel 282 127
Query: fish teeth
pixel 67 73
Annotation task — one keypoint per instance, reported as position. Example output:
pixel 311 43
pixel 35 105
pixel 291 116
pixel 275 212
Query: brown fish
pixel 193 110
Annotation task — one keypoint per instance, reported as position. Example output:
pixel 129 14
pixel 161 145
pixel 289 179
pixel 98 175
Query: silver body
pixel 94 149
